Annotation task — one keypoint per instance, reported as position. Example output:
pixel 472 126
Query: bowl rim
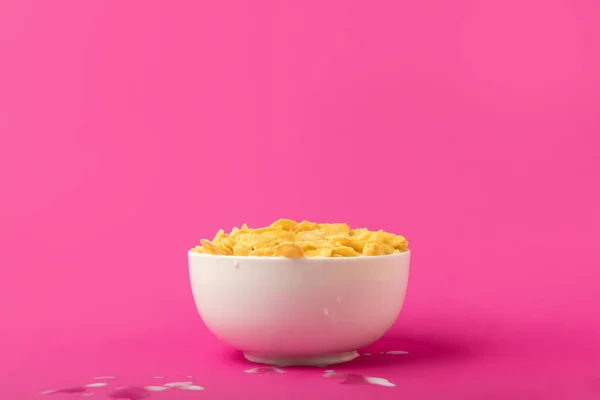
pixel 303 259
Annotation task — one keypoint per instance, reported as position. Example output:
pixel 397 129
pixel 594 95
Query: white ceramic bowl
pixel 304 311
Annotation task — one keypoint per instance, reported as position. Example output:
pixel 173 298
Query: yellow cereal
pixel 378 237
pixel 402 244
pixel 289 250
pixel 226 250
pixel 373 249
pixel 344 251
pixel 227 242
pixel 265 243
pixel 310 236
pixel 325 252
pixel 249 239
pixel 306 246
pixel 389 249
pixel 342 240
pixel 220 234
pixel 358 245
pixel 266 252
pixel 260 231
pixel 209 247
pixel 199 249
pixel 286 224
pixel 280 236
pixel 334 229
pixel 290 239
pixel 241 250
pixel 220 248
pixel 305 226
pixel 361 234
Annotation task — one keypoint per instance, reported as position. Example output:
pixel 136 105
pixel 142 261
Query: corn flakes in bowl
pixel 287 238
pixel 299 293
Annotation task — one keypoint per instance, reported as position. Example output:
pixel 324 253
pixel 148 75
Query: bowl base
pixel 302 361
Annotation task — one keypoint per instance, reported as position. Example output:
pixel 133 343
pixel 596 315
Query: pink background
pixel 131 129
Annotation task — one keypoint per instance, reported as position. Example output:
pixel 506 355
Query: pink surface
pixel 131 129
